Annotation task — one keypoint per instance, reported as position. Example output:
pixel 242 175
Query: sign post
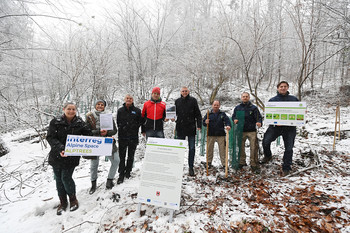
pixel 162 171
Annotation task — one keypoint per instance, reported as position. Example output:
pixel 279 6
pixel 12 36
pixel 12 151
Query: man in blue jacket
pixel 129 121
pixel 288 132
pixel 217 121
pixel 252 119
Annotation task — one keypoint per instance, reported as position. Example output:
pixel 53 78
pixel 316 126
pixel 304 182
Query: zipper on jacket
pixel 154 122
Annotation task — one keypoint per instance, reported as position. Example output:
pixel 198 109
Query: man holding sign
pixel 274 131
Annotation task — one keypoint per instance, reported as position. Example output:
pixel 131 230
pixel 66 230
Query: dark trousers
pixel 64 182
pixel 154 133
pixel 288 134
pixel 191 148
pixel 124 145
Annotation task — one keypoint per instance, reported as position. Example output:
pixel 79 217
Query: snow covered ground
pixel 315 198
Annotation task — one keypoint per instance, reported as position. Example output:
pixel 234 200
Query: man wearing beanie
pixel 153 113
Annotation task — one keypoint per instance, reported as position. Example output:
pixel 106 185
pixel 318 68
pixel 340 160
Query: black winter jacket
pixel 56 136
pixel 129 122
pixel 188 116
pixel 251 116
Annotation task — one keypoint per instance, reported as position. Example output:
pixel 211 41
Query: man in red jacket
pixel 154 114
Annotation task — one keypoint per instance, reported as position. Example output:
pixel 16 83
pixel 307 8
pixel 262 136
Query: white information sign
pixel 285 113
pixel 170 112
pixel 106 121
pixel 88 146
pixel 162 171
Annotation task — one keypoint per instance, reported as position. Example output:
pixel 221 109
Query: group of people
pixel 252 121
pixel 129 121
pixel 150 119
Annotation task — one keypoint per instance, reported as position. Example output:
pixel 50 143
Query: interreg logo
pixel 90 140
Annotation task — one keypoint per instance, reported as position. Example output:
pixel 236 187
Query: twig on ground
pixel 79 225
pixel 187 208
pixel 33 190
pixel 48 199
pixel 6 196
pixel 306 169
pixel 20 185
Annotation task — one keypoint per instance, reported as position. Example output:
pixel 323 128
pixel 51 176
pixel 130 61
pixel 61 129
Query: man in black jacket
pixel 252 119
pixel 188 119
pixel 128 122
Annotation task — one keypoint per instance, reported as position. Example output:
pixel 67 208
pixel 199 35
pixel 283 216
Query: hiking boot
pixel 240 166
pixel 205 164
pixel 93 187
pixel 63 204
pixel 127 175
pixel 109 184
pixel 256 170
pixel 120 179
pixel 191 171
pixel 74 205
pixel 266 159
pixel 286 173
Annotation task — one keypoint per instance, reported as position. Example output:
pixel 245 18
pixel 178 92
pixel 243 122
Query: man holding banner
pixel 274 131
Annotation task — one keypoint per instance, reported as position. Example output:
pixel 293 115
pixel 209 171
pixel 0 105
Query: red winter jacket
pixel 154 113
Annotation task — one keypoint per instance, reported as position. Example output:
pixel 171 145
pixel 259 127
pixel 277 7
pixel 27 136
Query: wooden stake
pixel 337 123
pixel 226 154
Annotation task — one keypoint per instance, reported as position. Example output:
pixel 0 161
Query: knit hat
pixel 156 90
pixel 101 100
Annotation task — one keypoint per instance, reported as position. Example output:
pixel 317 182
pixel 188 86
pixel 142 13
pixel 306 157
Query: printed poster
pixel 285 113
pixel 88 146
pixel 106 121
pixel 170 112
pixel 162 171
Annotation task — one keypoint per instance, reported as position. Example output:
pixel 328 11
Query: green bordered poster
pixel 162 169
pixel 285 113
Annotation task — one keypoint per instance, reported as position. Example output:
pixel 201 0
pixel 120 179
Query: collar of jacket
pixel 132 105
pixel 63 119
pixel 216 112
pixel 185 98
pixel 247 104
pixel 156 101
